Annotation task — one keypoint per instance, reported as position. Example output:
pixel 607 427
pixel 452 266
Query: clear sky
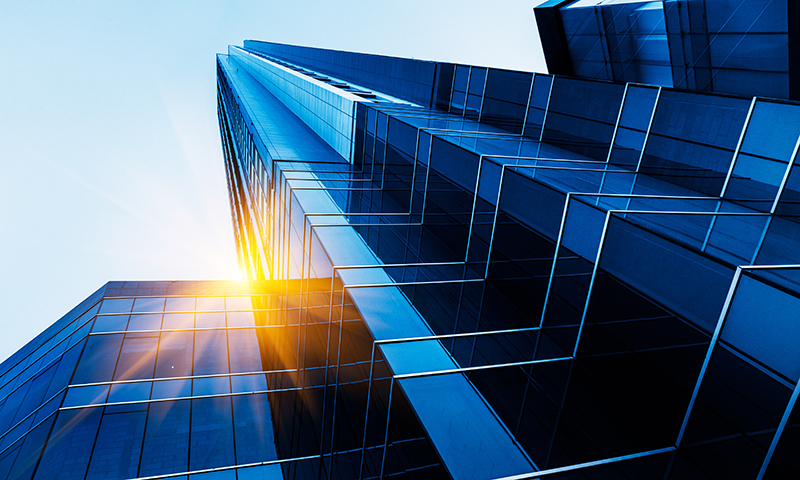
pixel 110 160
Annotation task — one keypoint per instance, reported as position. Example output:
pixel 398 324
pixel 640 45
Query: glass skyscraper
pixel 459 272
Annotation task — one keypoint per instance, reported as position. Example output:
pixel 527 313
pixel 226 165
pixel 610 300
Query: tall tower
pixel 456 272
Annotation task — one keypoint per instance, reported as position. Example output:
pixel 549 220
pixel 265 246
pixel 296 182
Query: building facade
pixel 456 272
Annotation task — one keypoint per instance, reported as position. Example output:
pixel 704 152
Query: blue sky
pixel 111 165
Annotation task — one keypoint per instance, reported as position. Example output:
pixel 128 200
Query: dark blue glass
pixel 254 437
pixel 246 356
pixel 119 443
pixel 210 352
pixel 116 305
pixel 212 433
pixel 110 323
pixel 174 355
pixel 70 445
pixel 98 359
pixel 166 441
pixel 148 305
pixel 137 359
pixel 171 389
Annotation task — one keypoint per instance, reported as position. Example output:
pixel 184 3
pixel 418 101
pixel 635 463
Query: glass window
pixel 99 359
pixel 91 395
pixel 137 359
pixel 175 355
pixel 110 323
pixel 241 319
pixel 172 389
pixel 211 386
pixel 145 322
pixel 73 432
pixel 238 303
pixel 179 304
pixel 253 429
pixel 210 353
pixel 119 442
pixel 210 320
pixel 210 303
pixel 248 383
pixel 148 305
pixel 177 321
pixel 212 433
pixel 166 441
pixel 129 392
pixel 116 305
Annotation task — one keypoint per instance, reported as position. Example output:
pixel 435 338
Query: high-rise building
pixel 461 272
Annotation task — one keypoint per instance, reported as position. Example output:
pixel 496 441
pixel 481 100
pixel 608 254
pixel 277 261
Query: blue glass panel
pixel 166 442
pixel 790 198
pixel 762 170
pixel 461 78
pixel 241 319
pixel 254 437
pixel 505 99
pixel 248 383
pixel 144 322
pixel 477 81
pixel 8 457
pixel 458 102
pixel 210 320
pixel 48 408
pixel 99 359
pixel 175 355
pixel 175 321
pixel 693 139
pixel 129 392
pixel 582 130
pixel 11 406
pixel 111 323
pixel 763 323
pixel 752 16
pixel 137 359
pixel 265 472
pixel 29 452
pixel 690 284
pixel 180 304
pixel 148 305
pixel 583 229
pixel 80 333
pixel 773 130
pixel 210 352
pixel 35 395
pixel 245 356
pixel 540 93
pixel 64 372
pixel 627 147
pixel 211 386
pixel 172 389
pixel 70 445
pixel 638 109
pixel 91 395
pixel 119 443
pixel 212 433
pixel 116 305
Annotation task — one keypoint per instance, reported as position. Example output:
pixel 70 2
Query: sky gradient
pixel 109 144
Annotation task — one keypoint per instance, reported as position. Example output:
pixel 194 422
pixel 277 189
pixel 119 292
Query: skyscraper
pixel 455 271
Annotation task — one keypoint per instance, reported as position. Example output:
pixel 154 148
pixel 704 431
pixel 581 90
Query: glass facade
pixel 454 272
pixel 732 46
pixel 554 259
